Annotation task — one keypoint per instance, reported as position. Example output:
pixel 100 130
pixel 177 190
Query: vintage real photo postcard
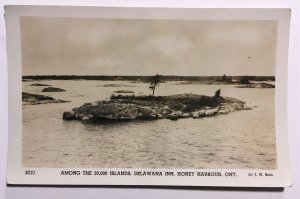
pixel 147 96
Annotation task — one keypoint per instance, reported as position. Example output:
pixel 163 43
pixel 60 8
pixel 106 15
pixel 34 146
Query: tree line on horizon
pixel 224 78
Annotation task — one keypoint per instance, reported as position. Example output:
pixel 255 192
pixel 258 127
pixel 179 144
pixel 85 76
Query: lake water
pixel 243 139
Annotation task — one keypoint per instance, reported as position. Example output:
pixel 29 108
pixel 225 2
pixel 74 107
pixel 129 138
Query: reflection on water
pixel 244 139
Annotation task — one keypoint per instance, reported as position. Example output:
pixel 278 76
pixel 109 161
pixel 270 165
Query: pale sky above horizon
pixel 74 46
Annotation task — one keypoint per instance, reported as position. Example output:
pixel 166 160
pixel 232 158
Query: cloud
pixel 167 45
pixel 114 46
pixel 240 35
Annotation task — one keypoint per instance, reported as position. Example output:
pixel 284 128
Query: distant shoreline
pixel 147 78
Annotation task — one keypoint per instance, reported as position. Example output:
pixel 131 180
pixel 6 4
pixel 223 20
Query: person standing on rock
pixel 218 93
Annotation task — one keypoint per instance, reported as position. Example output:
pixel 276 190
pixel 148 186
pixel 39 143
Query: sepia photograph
pixel 147 96
pixel 140 93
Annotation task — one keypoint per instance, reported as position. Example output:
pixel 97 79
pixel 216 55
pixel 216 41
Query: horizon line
pixel 158 74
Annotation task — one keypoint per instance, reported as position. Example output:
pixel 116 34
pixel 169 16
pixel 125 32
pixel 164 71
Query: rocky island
pixel 171 107
pixel 52 89
pixel 39 84
pixel 123 91
pixel 33 99
pixel 257 85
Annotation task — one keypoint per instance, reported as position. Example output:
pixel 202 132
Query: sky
pixel 82 46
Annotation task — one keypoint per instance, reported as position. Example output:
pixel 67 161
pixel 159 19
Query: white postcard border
pixel 52 176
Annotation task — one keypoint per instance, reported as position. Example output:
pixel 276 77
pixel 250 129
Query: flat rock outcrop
pixel 52 89
pixel 38 84
pixel 33 99
pixel 171 107
pixel 123 91
pixel 257 85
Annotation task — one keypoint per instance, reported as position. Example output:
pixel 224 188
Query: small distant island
pixel 123 91
pixel 39 84
pixel 257 85
pixel 52 89
pixel 34 99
